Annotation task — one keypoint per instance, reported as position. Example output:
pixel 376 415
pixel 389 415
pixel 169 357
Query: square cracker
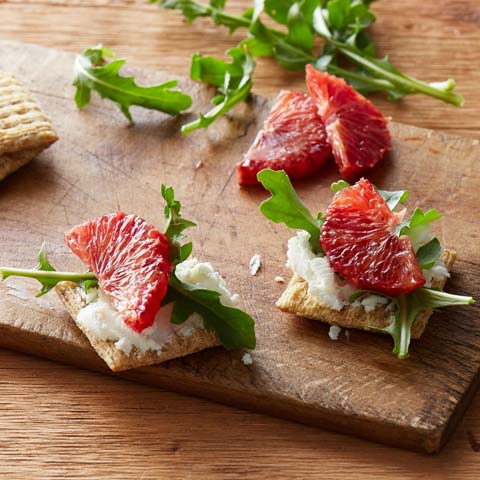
pixel 116 359
pixel 25 130
pixel 295 299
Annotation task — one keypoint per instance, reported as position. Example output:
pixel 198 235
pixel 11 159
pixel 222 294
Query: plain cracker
pixel 295 299
pixel 25 130
pixel 116 359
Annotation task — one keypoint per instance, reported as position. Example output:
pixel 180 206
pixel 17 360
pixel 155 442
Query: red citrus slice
pixel 359 239
pixel 293 138
pixel 356 129
pixel 131 260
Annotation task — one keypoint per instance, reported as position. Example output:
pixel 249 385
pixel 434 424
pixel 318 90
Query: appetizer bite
pixel 363 264
pixel 25 131
pixel 143 300
pixel 302 131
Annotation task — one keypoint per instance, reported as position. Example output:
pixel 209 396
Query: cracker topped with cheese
pixel 363 263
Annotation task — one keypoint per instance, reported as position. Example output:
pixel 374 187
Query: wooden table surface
pixel 58 422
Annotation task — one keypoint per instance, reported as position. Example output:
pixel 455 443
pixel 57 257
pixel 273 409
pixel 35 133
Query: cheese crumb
pixel 279 279
pixel 255 263
pixel 334 332
pixel 247 359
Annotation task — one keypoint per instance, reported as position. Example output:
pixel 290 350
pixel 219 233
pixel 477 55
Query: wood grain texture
pixel 52 426
pixel 63 423
pixel 354 386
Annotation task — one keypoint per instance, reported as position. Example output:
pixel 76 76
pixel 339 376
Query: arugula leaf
pixel 45 265
pixel 215 9
pixel 417 226
pixel 284 206
pixel 428 298
pixel 339 185
pixel 92 72
pixel 410 306
pixel 419 219
pixel 234 82
pixel 48 276
pixel 235 328
pixel 348 52
pixel 286 53
pixel 299 32
pixel 394 198
pixel 429 253
pixel 175 224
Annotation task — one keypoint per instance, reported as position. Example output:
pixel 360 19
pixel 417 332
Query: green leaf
pixel 394 198
pixel 410 306
pixel 278 10
pixel 427 298
pixel 299 32
pixel 234 328
pixel 92 72
pixel 429 253
pixel 287 54
pixel 186 251
pixel 339 185
pixel 191 10
pixel 284 206
pixel 215 9
pixel 417 221
pixel 88 284
pixel 320 25
pixel 45 265
pixel 337 13
pixel 342 23
pixel 46 274
pixel 257 47
pixel 233 80
pixel 175 225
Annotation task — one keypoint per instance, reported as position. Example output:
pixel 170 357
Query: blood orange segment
pixel 359 239
pixel 356 129
pixel 131 260
pixel 293 139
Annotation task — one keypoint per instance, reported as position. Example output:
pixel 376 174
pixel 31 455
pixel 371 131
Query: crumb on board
pixel 247 359
pixel 199 164
pixel 255 263
pixel 279 279
pixel 334 332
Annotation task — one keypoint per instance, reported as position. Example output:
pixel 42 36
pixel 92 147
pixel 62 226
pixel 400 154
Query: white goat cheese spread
pixel 437 273
pixel 370 302
pixel 101 318
pixel 323 284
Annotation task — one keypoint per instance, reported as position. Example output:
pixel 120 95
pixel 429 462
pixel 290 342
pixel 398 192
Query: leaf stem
pixel 220 14
pixel 404 332
pixel 46 274
pixel 374 82
pixel 401 81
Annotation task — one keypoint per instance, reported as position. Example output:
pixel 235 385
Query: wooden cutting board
pixel 354 385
